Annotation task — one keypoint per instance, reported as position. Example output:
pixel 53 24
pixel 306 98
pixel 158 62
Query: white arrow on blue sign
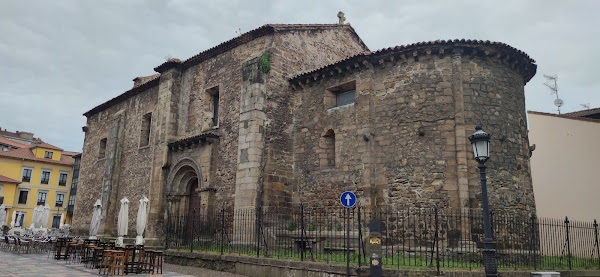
pixel 348 199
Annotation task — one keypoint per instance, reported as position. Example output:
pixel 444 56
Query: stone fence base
pixel 265 267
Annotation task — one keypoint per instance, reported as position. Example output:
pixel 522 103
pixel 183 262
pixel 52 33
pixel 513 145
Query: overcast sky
pixel 59 59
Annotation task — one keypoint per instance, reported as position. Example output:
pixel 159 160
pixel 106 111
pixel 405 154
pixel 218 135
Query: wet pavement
pixel 38 265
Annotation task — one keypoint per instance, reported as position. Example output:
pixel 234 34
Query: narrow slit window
pixel 102 151
pixel 212 97
pixel 327 144
pixel 145 131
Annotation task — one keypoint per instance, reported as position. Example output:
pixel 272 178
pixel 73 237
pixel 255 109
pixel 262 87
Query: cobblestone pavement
pixel 38 265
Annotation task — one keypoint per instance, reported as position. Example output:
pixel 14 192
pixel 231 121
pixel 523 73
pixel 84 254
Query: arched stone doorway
pixel 195 198
pixel 184 185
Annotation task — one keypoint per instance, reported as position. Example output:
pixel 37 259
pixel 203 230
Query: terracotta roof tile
pixel 14 143
pixel 566 116
pixel 71 153
pixel 4 179
pixel 216 50
pixel 47 145
pixel 415 46
pixel 584 112
pixel 26 154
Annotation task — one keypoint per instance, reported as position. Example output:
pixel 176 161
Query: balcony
pixel 26 179
pixel 58 204
pixel 62 183
pixel 42 203
pixel 45 181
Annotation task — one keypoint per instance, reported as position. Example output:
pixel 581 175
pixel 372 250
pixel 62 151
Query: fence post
pixel 191 230
pixel 359 240
pixel 302 242
pixel 568 242
pixel 533 244
pixel 437 242
pixel 222 228
pixel 167 230
pixel 597 246
pixel 258 229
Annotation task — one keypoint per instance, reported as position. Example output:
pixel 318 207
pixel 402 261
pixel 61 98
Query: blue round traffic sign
pixel 348 199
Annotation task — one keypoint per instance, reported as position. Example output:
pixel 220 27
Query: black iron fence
pixel 410 238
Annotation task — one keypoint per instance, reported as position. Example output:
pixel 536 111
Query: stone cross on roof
pixel 340 15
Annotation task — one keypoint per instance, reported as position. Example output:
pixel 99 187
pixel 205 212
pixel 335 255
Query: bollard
pixel 374 248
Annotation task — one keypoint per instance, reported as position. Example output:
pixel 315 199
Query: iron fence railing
pixel 410 238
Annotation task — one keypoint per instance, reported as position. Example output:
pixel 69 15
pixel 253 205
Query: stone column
pixel 164 126
pixel 110 182
pixel 248 184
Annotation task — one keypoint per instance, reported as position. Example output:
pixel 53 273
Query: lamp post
pixel 481 150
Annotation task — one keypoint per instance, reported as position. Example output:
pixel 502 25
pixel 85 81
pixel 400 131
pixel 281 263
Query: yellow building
pixel 39 174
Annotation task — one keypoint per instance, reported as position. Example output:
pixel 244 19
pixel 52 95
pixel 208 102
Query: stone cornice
pixel 191 141
pixel 495 51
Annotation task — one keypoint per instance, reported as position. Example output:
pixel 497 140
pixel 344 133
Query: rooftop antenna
pixel 585 106
pixel 554 90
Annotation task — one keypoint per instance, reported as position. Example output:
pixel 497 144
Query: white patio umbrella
pixel 123 221
pixel 36 218
pixel 62 221
pixel 13 222
pixel 2 215
pixel 19 218
pixel 96 216
pixel 141 220
pixel 45 216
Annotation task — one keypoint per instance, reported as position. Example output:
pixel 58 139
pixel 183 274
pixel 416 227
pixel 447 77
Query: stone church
pixel 289 114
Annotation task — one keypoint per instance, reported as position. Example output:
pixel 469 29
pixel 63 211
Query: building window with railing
pixel 71 200
pixel 62 179
pixel 41 199
pixel 26 174
pixel 45 179
pixel 23 196
pixel 60 199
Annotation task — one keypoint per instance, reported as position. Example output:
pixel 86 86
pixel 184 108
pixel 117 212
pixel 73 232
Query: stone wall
pixel 131 169
pixel 251 136
pixel 403 143
pixel 280 139
pixel 294 52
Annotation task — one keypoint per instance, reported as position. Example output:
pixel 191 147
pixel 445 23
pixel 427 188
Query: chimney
pixel 144 79
pixel 25 135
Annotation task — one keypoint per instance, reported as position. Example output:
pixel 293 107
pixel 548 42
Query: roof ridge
pixel 566 116
pixel 420 44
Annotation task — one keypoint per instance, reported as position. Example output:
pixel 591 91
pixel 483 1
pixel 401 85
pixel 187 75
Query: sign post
pixel 348 199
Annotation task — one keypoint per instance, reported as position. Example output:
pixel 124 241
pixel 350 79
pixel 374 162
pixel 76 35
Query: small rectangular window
pixel 62 179
pixel 45 177
pixel 48 155
pixel 102 149
pixel 26 175
pixel 41 200
pixel 345 98
pixel 23 196
pixel 341 95
pixel 145 131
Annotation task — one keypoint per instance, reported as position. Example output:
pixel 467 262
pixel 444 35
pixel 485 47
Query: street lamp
pixel 481 150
